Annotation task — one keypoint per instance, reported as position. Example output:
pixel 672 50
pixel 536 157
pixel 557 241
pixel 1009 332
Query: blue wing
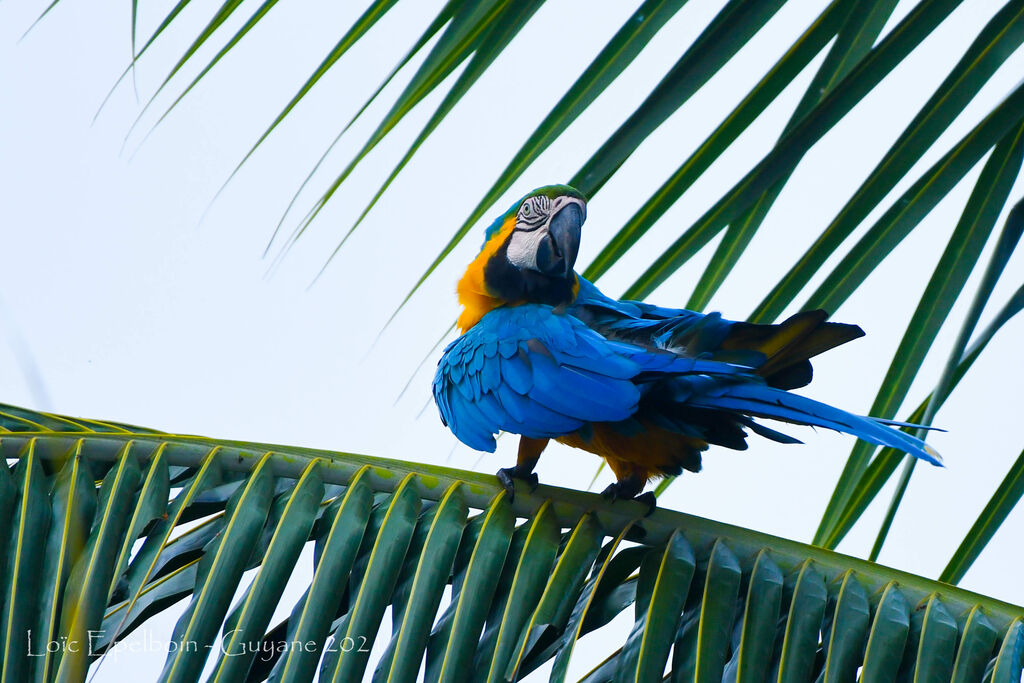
pixel 535 372
pixel 647 324
pixel 544 374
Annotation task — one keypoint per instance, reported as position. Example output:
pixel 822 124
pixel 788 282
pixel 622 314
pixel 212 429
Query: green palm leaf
pixel 310 620
pixel 989 195
pixel 799 55
pixel 661 590
pixel 73 503
pixel 1003 501
pixel 24 559
pixel 469 25
pixel 848 616
pixel 885 464
pixel 994 44
pixel 785 156
pixel 85 594
pixel 503 29
pixel 707 598
pixel 853 41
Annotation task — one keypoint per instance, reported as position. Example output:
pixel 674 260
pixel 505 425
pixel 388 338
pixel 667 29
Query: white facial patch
pixel 523 247
pixel 531 229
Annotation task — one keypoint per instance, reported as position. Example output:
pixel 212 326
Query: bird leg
pixel 629 488
pixel 529 454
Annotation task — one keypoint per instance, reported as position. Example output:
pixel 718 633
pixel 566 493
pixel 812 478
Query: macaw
pixel 544 354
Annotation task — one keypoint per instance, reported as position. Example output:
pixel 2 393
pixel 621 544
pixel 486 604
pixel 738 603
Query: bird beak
pixel 557 254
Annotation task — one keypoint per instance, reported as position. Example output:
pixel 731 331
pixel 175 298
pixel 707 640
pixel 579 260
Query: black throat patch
pixel 507 282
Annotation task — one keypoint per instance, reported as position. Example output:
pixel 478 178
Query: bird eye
pixel 526 210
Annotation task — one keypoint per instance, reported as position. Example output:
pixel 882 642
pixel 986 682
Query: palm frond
pixel 528 578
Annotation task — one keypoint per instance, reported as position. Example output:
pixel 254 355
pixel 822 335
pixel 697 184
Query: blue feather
pixel 490 374
pixel 518 372
pixel 765 401
pixel 616 367
pixel 578 395
pixel 535 420
pixel 508 348
pixel 543 373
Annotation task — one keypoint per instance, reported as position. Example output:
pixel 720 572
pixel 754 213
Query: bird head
pixel 545 236
pixel 528 255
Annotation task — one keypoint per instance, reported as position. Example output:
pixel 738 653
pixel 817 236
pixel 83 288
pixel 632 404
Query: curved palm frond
pixel 528 579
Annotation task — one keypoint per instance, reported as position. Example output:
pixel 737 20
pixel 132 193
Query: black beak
pixel 557 254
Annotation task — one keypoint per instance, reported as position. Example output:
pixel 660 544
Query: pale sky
pixel 133 310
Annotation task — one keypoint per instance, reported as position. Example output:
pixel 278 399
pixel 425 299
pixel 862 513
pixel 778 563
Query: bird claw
pixel 508 475
pixel 626 490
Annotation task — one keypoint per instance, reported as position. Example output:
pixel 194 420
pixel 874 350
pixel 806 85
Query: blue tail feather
pixel 768 402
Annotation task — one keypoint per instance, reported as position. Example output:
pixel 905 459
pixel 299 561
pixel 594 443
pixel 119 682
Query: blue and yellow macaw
pixel 544 354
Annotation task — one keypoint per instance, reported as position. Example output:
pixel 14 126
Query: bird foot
pixel 508 475
pixel 628 489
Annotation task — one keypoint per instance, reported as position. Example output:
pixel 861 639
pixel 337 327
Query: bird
pixel 544 354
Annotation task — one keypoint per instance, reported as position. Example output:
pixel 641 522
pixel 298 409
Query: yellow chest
pixel 474 297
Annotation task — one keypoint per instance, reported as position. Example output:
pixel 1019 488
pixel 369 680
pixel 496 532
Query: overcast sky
pixel 129 308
